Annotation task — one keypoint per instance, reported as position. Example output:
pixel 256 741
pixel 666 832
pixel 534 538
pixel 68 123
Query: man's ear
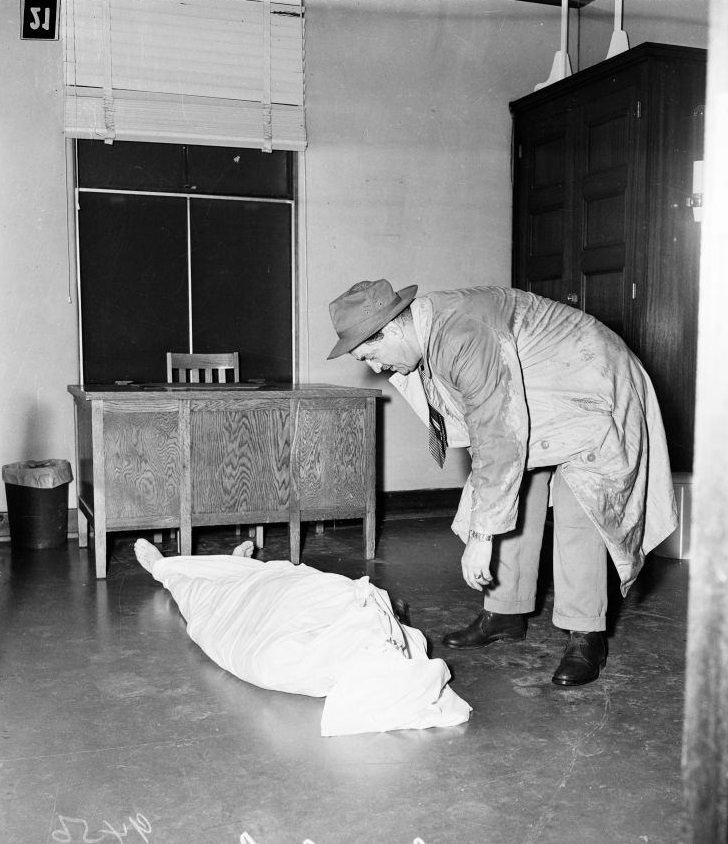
pixel 394 329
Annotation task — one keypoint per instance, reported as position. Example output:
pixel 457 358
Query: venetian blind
pixel 208 72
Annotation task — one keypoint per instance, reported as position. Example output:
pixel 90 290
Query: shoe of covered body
pixel 584 655
pixel 488 627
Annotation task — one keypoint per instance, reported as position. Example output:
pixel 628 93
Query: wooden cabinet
pixel 603 172
pixel 180 456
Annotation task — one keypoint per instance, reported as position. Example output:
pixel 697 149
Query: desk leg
pixel 184 540
pixel 369 535
pixel 99 499
pixel 100 550
pixel 370 445
pixel 294 533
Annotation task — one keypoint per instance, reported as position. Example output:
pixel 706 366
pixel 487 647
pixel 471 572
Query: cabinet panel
pixel 549 160
pixel 550 288
pixel 240 459
pixel 603 296
pixel 608 139
pixel 141 465
pixel 608 133
pixel 331 449
pixel 605 219
pixel 547 232
pixel 545 210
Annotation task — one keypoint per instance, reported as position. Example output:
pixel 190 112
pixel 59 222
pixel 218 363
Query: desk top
pixel 122 391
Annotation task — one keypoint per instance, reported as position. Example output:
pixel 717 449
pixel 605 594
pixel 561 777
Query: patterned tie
pixel 438 436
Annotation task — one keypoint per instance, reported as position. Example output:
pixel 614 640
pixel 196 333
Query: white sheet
pixel 296 629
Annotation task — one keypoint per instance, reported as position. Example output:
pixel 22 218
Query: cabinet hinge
pixel 520 151
pixel 634 291
pixel 638 109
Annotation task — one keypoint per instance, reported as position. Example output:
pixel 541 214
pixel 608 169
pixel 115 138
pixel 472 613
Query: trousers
pixel 579 557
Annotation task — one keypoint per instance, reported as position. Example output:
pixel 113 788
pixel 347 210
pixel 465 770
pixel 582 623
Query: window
pixel 184 248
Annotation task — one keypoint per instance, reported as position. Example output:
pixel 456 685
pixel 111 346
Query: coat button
pixel 544 443
pixel 591 457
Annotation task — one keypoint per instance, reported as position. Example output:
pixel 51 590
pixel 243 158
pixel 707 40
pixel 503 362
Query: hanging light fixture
pixel 619 42
pixel 561 67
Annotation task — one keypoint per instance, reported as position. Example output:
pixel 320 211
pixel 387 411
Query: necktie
pixel 438 436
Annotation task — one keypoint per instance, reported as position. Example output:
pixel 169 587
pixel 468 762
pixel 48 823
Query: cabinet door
pixel 577 193
pixel 543 204
pixel 609 195
pixel 603 167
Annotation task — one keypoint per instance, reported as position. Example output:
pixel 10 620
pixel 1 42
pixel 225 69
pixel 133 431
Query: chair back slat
pixel 201 368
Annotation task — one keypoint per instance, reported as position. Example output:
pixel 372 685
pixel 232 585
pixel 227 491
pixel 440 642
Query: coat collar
pixel 422 317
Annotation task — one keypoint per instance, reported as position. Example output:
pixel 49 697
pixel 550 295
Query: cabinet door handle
pixel 572 298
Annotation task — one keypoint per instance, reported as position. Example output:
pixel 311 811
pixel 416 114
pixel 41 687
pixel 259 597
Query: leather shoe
pixel 584 655
pixel 488 627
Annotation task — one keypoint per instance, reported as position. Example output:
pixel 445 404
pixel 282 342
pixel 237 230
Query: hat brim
pixel 357 336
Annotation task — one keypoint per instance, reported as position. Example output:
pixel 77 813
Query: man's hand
pixel 476 563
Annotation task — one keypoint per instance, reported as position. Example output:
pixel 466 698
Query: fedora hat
pixel 365 308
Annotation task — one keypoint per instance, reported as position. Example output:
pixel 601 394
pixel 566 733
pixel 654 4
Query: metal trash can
pixel 37 493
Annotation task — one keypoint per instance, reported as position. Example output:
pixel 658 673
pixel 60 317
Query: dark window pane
pixel 128 165
pixel 133 262
pixel 174 168
pixel 241 297
pixel 239 172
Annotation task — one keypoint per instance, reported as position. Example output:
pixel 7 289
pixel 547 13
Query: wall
pixel 408 166
pixel 38 339
pixel 407 176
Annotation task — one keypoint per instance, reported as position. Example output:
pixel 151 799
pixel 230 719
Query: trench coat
pixel 537 383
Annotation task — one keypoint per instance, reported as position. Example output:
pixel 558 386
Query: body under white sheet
pixel 295 629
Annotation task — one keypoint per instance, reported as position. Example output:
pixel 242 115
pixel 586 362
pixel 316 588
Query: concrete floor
pixel 116 727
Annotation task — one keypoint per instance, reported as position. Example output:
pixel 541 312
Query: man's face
pixel 388 353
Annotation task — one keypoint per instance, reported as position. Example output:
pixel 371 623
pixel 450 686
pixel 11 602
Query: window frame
pixel 298 296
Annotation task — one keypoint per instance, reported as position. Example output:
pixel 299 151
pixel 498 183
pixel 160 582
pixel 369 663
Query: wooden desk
pixel 178 456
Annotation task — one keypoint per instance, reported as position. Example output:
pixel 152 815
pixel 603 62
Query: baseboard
pixel 417 503
pixel 405 504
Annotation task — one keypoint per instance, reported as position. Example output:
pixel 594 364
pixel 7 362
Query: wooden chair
pixel 202 368
pixel 185 368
